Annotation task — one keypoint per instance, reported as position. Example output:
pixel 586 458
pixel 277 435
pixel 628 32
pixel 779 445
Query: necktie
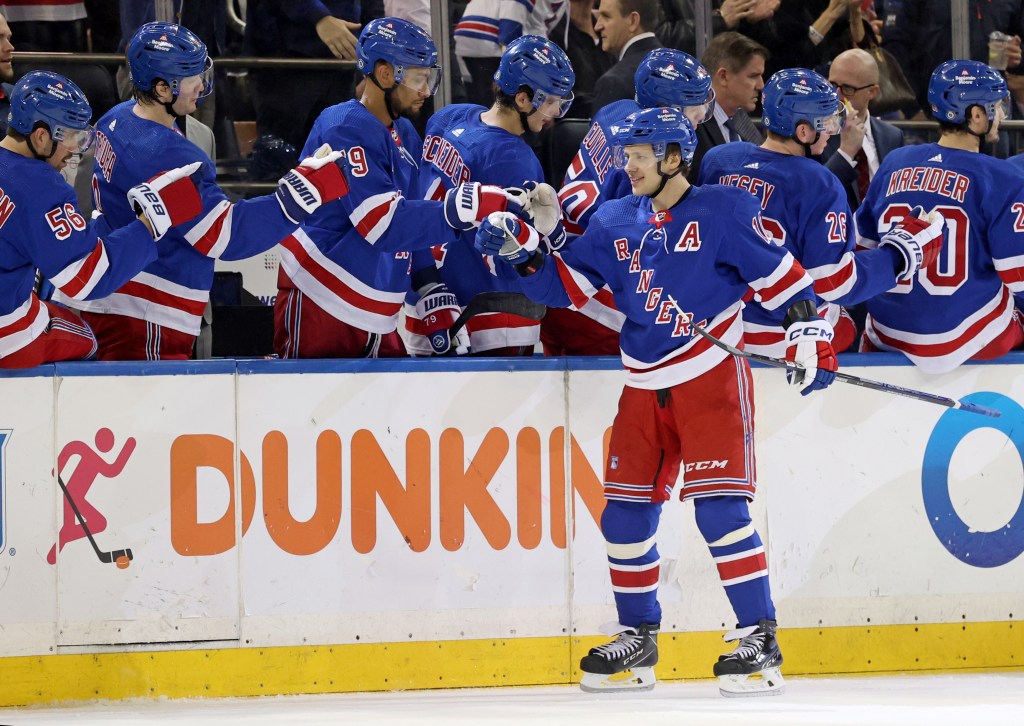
pixel 731 125
pixel 863 174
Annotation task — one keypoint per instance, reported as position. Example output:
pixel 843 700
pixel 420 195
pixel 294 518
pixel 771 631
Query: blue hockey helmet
pixel 956 85
pixel 51 99
pixel 541 66
pixel 168 52
pixel 403 45
pixel 667 77
pixel 658 127
pixel 797 94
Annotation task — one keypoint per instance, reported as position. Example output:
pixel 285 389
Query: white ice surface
pixel 925 700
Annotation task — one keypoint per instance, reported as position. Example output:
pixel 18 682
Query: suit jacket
pixel 617 83
pixel 887 137
pixel 710 135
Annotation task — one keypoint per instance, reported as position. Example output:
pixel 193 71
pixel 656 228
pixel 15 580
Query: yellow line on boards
pixel 478 663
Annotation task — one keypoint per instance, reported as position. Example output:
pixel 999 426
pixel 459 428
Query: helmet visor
pixel 552 106
pixel 207 78
pixel 1002 107
pixel 77 141
pixel 421 79
pixel 637 155
pixel 832 124
pixel 700 114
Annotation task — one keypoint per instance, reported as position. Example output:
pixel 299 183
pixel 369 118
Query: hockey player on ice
pixel 675 256
pixel 961 306
pixel 665 77
pixel 344 274
pixel 42 229
pixel 466 142
pixel 156 315
pixel 801 111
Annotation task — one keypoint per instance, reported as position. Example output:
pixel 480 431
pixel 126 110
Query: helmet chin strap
pixel 36 154
pixel 664 179
pixel 387 95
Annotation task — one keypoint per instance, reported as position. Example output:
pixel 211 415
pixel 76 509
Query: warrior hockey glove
pixel 318 179
pixel 167 199
pixel 505 236
pixel 809 343
pixel 918 239
pixel 438 309
pixel 540 205
pixel 468 204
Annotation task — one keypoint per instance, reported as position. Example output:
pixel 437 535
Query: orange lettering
pixel 466 489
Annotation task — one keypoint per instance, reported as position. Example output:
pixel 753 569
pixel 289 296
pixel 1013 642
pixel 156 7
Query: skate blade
pixel 638 679
pixel 768 682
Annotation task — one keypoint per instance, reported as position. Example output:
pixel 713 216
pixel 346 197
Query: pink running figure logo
pixel 81 519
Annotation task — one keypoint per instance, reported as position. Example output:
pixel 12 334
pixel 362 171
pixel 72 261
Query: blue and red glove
pixel 505 236
pixel 438 309
pixel 918 239
pixel 809 343
pixel 318 179
pixel 468 204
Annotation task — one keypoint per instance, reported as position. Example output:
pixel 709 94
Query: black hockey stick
pixel 847 378
pixel 107 557
pixel 513 303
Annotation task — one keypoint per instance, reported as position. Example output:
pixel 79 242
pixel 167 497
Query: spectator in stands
pixel 486 27
pixel 47 25
pixel 676 28
pixel 575 35
pixel 416 12
pixel 736 64
pixel 855 154
pixel 288 102
pixel 918 33
pixel 626 29
pixel 6 72
pixel 810 33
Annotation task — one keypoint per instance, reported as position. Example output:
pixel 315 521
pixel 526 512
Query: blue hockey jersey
pixel 353 257
pixel 460 147
pixel 963 300
pixel 42 229
pixel 173 290
pixel 803 209
pixel 691 264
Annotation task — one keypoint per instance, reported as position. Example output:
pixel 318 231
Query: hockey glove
pixel 167 199
pixel 505 236
pixel 438 309
pixel 468 204
pixel 918 239
pixel 809 343
pixel 540 205
pixel 318 179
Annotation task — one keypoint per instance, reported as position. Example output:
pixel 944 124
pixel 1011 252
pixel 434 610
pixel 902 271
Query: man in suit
pixel 626 29
pixel 855 154
pixel 736 65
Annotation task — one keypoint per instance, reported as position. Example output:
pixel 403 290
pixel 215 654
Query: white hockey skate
pixel 752 668
pixel 625 664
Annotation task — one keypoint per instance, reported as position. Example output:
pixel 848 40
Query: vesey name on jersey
pixel 946 182
pixel 439 152
pixel 6 207
pixel 105 156
pixel 758 187
pixel 598 150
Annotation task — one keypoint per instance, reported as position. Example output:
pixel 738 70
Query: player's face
pixel 408 102
pixel 6 51
pixel 189 92
pixel 641 166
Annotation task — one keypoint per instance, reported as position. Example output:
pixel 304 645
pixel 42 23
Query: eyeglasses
pixel 847 90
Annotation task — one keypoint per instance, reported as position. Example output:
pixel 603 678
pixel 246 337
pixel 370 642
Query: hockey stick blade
pixel 105 557
pixel 856 380
pixel 498 302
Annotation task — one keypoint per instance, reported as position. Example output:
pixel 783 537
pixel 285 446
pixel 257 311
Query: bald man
pixel 855 154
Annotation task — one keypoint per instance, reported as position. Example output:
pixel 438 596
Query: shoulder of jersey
pixel 618 212
pixel 32 184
